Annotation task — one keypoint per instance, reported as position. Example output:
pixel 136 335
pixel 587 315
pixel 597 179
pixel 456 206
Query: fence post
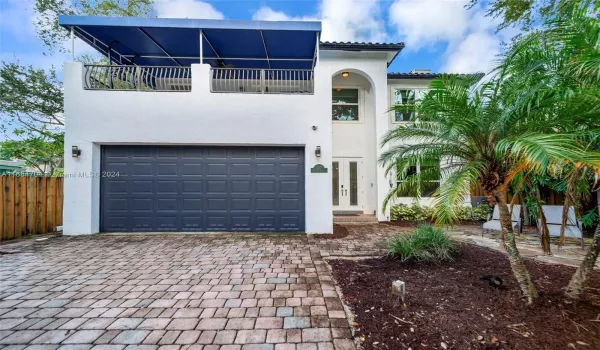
pixel 262 81
pixel 138 77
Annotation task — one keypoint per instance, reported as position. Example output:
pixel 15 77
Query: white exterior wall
pixel 405 84
pixel 198 117
pixel 361 139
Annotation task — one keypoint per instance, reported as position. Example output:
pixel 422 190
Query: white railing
pixel 104 77
pixel 262 81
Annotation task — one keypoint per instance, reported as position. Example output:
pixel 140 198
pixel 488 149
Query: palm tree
pixel 559 69
pixel 467 126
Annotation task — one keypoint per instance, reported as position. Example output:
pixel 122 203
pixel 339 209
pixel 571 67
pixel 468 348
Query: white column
pixel 72 44
pixel 201 48
pixel 382 124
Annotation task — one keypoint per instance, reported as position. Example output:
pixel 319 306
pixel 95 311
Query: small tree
pixel 43 154
pixel 463 124
pixel 47 12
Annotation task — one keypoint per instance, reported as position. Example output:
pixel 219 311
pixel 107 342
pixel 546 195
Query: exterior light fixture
pixel 345 74
pixel 338 89
pixel 318 152
pixel 75 151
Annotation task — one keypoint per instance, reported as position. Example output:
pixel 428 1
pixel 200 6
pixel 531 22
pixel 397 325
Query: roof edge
pixel 68 20
pixel 408 75
pixel 360 46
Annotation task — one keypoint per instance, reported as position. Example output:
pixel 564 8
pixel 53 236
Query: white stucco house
pixel 214 125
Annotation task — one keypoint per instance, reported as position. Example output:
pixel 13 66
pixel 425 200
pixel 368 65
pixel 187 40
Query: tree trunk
pixel 544 232
pixel 526 218
pixel 586 269
pixel 563 222
pixel 515 259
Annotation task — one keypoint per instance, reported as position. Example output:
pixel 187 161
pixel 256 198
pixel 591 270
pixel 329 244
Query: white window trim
pixel 418 166
pixel 391 100
pixel 360 104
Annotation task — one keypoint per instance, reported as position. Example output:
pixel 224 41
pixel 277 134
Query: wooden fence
pixel 549 197
pixel 29 205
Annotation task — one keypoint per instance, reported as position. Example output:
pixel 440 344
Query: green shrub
pixel 416 212
pixel 427 244
pixel 413 212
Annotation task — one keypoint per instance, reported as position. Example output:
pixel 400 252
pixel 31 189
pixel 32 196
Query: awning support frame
pixel 159 46
pixel 265 46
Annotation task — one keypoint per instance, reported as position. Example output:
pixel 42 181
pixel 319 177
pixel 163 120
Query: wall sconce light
pixel 338 89
pixel 345 74
pixel 75 151
pixel 318 152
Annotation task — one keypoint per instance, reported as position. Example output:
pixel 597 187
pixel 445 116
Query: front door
pixel 346 184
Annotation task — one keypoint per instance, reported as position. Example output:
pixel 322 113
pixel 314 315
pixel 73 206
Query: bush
pixel 416 212
pixel 413 212
pixel 427 244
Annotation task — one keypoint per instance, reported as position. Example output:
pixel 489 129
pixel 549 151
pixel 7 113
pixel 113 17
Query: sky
pixel 441 35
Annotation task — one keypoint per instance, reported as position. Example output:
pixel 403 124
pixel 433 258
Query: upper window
pixel 344 104
pixel 404 97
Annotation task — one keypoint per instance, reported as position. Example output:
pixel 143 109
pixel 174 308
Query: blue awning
pixel 176 42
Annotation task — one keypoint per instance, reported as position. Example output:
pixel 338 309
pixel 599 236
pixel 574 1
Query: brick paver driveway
pixel 199 292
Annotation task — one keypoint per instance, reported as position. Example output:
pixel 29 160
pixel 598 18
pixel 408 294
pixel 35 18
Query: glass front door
pixel 345 183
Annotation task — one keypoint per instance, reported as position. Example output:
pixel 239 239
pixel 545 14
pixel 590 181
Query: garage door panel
pixel 216 152
pixel 192 204
pixel 216 186
pixel 192 223
pixel 193 188
pixel 143 224
pixel 291 223
pixel 168 223
pixel 291 169
pixel 217 169
pixel 142 169
pixel 217 223
pixel 241 186
pixel 266 187
pixel 115 186
pixel 241 223
pixel 265 169
pixel 237 169
pixel 167 169
pixel 191 169
pixel 216 204
pixel 266 222
pixel 289 187
pixel 116 205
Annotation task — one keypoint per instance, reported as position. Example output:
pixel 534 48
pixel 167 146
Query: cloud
pixel 475 53
pixel 468 36
pixel 186 9
pixel 360 22
pixel 422 23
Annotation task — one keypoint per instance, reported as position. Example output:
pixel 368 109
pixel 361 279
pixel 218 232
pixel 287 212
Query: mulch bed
pixel 449 303
pixel 339 231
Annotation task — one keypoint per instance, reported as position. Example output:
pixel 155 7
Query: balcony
pixel 262 81
pixel 223 80
pixel 103 77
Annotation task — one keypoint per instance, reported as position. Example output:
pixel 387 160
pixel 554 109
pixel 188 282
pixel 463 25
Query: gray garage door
pixel 174 188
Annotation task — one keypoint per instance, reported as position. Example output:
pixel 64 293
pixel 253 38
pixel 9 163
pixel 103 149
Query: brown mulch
pixel 449 303
pixel 339 231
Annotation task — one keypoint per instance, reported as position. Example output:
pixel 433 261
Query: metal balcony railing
pixel 104 77
pixel 262 81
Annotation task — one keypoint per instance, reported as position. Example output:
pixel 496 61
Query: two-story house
pixel 215 125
